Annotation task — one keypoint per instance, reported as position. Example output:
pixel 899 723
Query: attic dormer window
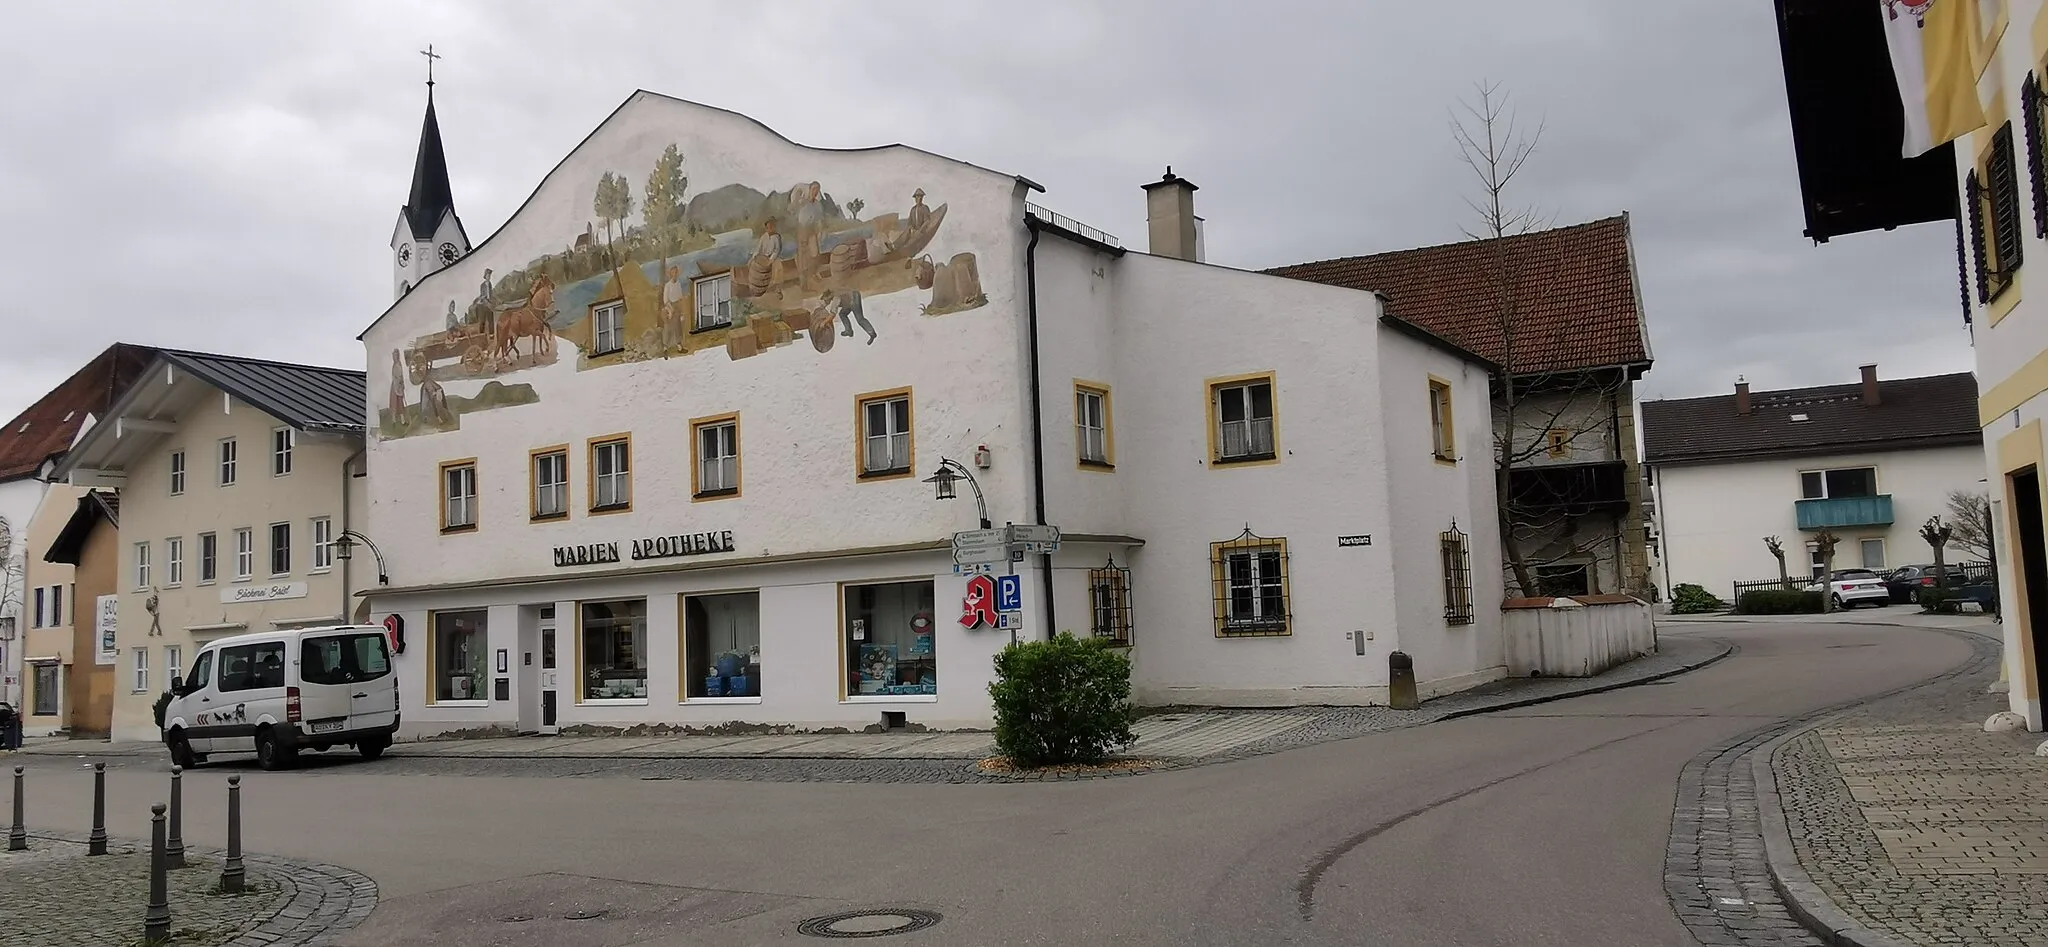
pixel 1799 417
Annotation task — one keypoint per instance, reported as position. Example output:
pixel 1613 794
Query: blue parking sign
pixel 1009 593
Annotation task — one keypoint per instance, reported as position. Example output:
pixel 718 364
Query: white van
pixel 278 692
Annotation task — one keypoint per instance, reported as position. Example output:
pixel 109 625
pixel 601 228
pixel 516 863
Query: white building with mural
pixel 659 451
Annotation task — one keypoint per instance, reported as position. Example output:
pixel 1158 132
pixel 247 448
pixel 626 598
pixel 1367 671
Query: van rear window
pixel 344 659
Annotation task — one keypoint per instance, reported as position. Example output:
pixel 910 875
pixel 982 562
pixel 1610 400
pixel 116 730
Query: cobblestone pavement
pixel 1176 739
pixel 1918 825
pixel 1717 869
pixel 55 895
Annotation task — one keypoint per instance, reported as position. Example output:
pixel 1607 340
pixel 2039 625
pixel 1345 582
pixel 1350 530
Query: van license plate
pixel 328 726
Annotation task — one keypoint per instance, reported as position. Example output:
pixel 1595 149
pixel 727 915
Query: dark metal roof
pixel 306 397
pixel 69 546
pixel 1932 411
pixel 431 197
pixel 1847 126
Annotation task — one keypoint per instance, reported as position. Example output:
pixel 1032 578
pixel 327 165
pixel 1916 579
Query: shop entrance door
pixel 548 683
pixel 2030 535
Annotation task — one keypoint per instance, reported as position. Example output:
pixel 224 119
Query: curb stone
pixel 1801 895
pixel 1806 901
pixel 324 901
pixel 1726 650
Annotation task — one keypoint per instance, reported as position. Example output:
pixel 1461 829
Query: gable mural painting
pixel 662 274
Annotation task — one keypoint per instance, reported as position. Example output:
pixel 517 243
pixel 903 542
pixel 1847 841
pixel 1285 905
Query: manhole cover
pixel 583 915
pixel 874 922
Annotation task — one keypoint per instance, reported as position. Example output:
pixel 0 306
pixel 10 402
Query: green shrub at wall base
pixel 1778 602
pixel 163 704
pixel 1690 599
pixel 1067 700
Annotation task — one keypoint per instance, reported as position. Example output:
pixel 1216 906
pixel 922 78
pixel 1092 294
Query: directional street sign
pixel 1034 534
pixel 981 554
pixel 974 568
pixel 980 545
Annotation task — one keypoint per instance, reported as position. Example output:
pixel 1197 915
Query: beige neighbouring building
pixel 235 477
pixel 73 560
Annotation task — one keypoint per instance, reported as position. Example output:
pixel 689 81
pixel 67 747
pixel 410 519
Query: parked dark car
pixel 1905 582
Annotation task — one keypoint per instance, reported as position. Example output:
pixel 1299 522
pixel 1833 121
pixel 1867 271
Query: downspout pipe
pixel 1037 418
pixel 347 591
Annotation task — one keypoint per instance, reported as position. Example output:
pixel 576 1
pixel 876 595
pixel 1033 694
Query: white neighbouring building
pixel 31 445
pixel 666 465
pixel 1870 461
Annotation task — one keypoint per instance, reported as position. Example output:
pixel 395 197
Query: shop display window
pixel 458 655
pixel 890 642
pixel 614 650
pixel 722 645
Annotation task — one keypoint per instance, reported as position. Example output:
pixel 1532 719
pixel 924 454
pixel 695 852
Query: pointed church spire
pixel 431 197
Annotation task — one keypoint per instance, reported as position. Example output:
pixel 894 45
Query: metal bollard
pixel 174 849
pixel 231 873
pixel 1401 681
pixel 17 834
pixel 96 844
pixel 156 919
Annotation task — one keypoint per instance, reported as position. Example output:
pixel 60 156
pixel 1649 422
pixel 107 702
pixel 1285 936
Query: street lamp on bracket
pixel 952 471
pixel 344 548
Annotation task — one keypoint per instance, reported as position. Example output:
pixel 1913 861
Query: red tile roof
pixel 1576 300
pixel 48 427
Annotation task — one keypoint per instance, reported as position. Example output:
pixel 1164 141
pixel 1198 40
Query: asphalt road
pixel 1546 825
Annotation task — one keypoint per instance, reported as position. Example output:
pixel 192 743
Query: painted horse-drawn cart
pixel 487 342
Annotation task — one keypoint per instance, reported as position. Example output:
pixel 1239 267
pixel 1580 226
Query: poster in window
pixel 107 618
pixel 877 668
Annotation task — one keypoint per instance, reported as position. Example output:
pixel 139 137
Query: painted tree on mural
pixel 1545 521
pixel 661 205
pixel 613 204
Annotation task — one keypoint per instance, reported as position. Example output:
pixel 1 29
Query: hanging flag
pixel 1931 43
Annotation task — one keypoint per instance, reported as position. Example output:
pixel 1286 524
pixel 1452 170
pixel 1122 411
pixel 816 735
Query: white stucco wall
pixel 1177 325
pixel 796 406
pixel 1715 516
pixel 1428 498
pixel 19 500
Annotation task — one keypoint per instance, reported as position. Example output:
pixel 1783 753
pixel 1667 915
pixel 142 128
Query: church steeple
pixel 429 235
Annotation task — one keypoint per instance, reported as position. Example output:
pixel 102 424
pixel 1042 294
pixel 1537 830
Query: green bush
pixel 163 703
pixel 1690 599
pixel 1067 700
pixel 1778 602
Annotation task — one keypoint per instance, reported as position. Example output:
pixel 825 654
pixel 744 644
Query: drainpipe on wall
pixel 1037 421
pixel 348 612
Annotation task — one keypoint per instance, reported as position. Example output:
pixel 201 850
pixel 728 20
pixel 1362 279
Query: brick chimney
pixel 1870 396
pixel 1170 215
pixel 1741 395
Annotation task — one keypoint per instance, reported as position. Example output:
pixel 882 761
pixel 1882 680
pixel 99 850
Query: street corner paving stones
pixel 54 895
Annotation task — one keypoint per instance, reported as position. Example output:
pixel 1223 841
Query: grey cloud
pixel 202 176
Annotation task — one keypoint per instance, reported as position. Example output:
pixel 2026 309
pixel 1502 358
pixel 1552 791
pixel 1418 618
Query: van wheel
pixel 181 751
pixel 271 753
pixel 373 747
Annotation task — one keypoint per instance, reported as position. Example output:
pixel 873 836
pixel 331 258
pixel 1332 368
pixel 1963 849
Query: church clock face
pixel 404 254
pixel 448 253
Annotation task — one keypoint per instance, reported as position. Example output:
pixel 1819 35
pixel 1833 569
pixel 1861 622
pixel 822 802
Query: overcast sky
pixel 225 177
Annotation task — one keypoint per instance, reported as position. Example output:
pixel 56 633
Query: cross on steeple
pixel 431 56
